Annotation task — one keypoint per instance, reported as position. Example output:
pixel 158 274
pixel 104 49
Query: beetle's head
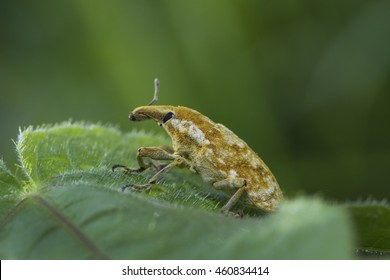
pixel 176 120
pixel 161 114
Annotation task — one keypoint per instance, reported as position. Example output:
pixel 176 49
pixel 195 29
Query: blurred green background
pixel 305 83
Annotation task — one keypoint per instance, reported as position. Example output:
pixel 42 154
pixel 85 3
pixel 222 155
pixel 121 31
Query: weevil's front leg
pixel 178 161
pixel 148 152
pixel 126 169
pixel 235 183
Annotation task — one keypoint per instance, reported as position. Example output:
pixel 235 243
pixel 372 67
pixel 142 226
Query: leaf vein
pixel 73 228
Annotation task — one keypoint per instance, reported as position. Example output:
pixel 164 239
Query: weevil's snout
pixel 157 113
pixel 144 113
pixel 132 117
pixel 136 116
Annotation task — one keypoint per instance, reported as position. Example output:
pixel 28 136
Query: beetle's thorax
pixel 188 130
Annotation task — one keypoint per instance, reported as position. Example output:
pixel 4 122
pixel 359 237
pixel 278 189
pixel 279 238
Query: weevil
pixel 209 149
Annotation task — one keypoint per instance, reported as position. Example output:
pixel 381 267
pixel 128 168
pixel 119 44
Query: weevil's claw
pixel 126 169
pixel 238 214
pixel 137 188
pixel 115 166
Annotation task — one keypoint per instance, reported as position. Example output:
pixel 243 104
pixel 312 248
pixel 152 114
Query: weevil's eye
pixel 168 116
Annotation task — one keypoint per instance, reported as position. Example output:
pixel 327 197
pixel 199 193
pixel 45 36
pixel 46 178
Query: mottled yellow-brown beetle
pixel 209 149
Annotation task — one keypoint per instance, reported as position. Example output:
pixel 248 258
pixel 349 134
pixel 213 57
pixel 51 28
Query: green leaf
pixel 372 223
pixel 73 208
pixel 10 190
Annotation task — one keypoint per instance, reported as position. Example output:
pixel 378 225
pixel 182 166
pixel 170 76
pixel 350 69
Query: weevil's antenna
pixel 156 87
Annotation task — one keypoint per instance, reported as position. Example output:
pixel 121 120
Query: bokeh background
pixel 305 83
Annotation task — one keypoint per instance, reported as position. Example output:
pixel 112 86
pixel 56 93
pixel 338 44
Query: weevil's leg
pixel 230 183
pixel 156 164
pixel 153 153
pixel 179 161
pixel 126 169
pixel 234 183
pixel 232 201
pixel 148 152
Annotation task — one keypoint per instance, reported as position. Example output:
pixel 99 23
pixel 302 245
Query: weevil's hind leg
pixel 177 162
pixel 235 183
pixel 232 201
